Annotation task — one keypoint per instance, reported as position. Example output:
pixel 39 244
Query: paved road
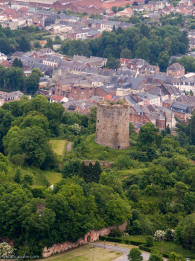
pixel 121 249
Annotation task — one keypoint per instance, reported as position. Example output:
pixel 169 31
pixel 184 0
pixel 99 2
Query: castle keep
pixel 112 125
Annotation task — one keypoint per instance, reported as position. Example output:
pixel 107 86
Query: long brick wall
pixel 91 236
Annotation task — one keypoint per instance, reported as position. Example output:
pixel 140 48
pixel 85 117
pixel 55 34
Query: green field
pixel 52 177
pixel 86 253
pixel 128 172
pixel 58 146
pixel 42 177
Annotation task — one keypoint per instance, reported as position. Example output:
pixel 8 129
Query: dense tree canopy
pixel 13 79
pixel 12 40
pixel 151 185
pixel 113 63
pixel 186 132
pixel 188 62
pixel 186 232
pixel 17 63
pixel 33 122
pixel 155 44
pixel 19 39
pixel 65 214
pixel 27 145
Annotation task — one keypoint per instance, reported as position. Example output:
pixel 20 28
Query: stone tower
pixel 112 125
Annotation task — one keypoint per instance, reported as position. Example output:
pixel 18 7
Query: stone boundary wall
pixel 91 236
pixel 106 164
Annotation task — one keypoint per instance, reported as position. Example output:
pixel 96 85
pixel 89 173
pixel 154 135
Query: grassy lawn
pixel 52 177
pixel 86 253
pixel 137 238
pixel 58 146
pixel 167 247
pixel 95 151
pixel 129 172
pixel 42 177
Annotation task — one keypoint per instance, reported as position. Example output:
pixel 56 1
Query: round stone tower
pixel 112 125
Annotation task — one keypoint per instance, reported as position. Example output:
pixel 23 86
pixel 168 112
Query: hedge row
pixel 112 239
pixel 121 240
pixel 145 248
pixel 148 249
pixel 165 255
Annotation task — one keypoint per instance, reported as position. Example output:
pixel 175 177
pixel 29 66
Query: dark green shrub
pixel 115 233
pixel 135 255
pixel 136 243
pixel 145 248
pixel 111 239
pixel 155 257
pixel 165 255
pixel 149 241
pixel 169 235
pixel 27 179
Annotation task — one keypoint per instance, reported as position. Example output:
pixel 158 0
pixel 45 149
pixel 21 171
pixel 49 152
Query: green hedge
pixel 145 248
pixel 136 243
pixel 148 249
pixel 112 239
pixel 121 240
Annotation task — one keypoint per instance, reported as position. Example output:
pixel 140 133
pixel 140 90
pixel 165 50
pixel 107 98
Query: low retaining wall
pixel 106 164
pixel 91 236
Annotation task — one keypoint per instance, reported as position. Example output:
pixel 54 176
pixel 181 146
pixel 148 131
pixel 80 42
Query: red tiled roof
pixel 56 98
pixel 108 97
pixel 9 11
pixel 23 9
pixel 6 64
pixel 117 3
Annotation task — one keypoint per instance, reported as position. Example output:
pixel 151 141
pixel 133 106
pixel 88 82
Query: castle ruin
pixel 112 125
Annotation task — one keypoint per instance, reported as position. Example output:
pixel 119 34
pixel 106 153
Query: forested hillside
pixel 151 185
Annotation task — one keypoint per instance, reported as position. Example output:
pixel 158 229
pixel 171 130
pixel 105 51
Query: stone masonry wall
pixel 92 236
pixel 112 125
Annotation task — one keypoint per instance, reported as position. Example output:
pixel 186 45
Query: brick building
pixel 80 92
pixel 176 70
